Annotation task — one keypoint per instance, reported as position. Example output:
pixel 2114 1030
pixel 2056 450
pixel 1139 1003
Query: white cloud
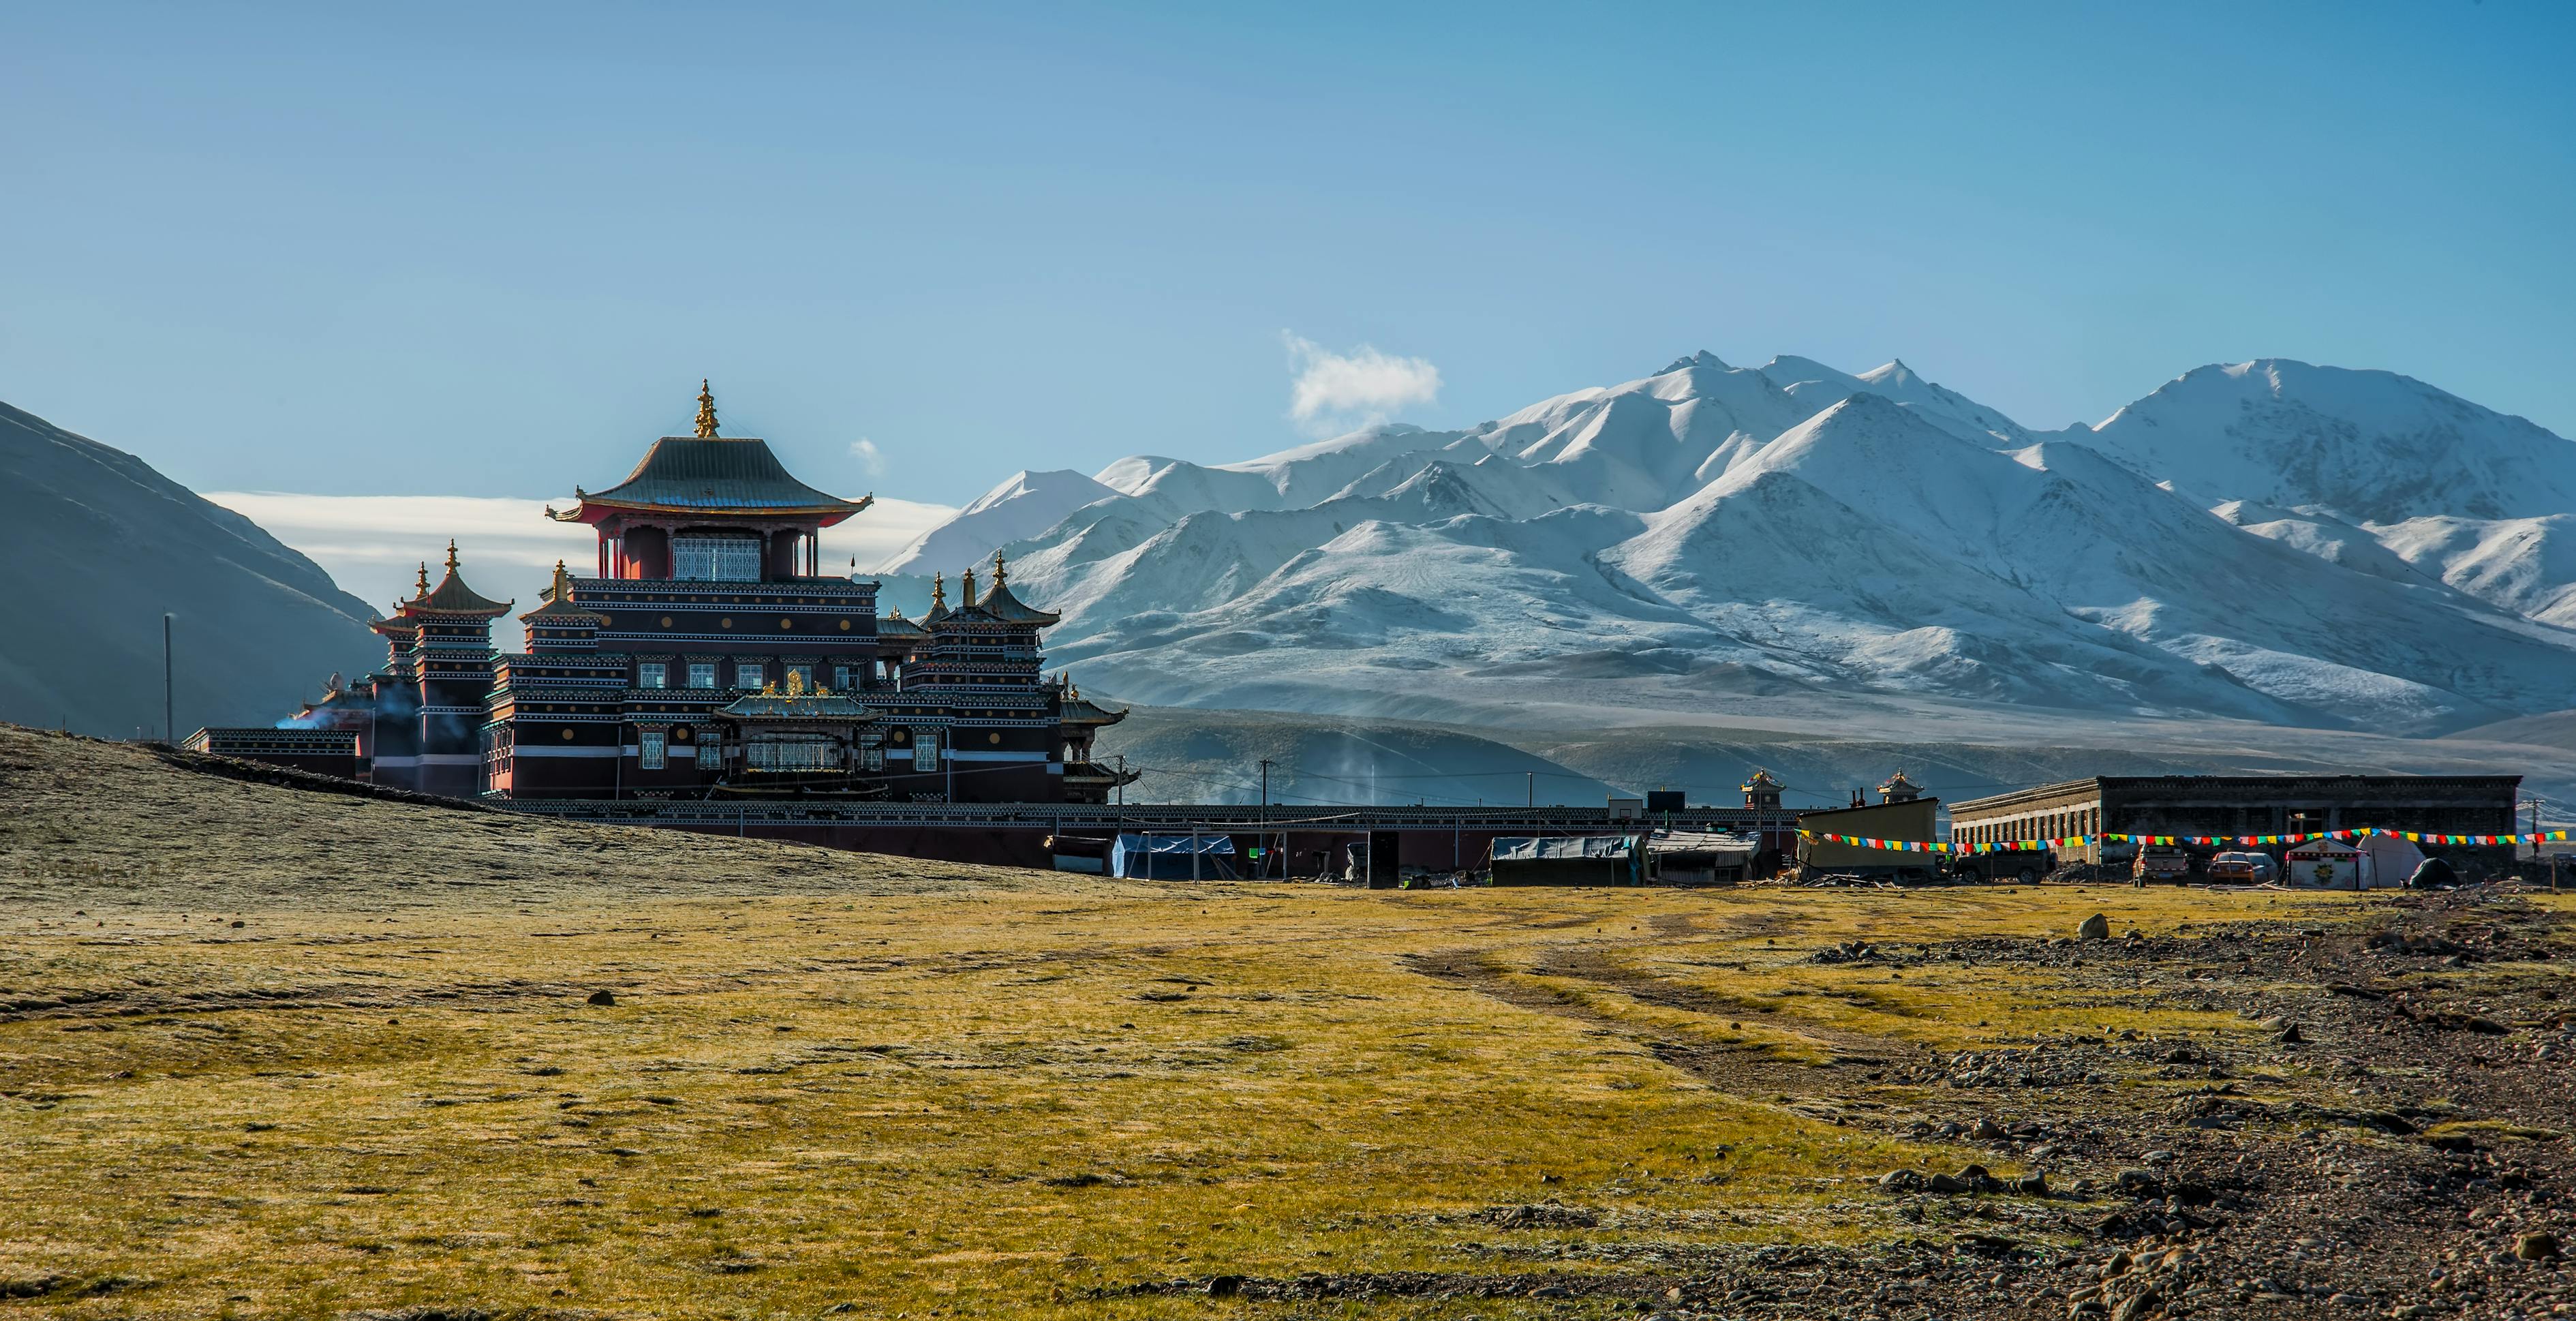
pixel 1361 386
pixel 372 544
pixel 871 459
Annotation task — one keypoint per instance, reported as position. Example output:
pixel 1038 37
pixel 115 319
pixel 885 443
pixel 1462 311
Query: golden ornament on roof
pixel 706 410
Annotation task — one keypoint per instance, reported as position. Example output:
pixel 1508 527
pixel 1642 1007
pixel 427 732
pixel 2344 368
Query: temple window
pixel 651 674
pixel 925 749
pixel 702 674
pixel 715 559
pixel 747 674
pixel 841 678
pixel 649 749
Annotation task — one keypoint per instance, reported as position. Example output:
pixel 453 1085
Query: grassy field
pixel 270 1053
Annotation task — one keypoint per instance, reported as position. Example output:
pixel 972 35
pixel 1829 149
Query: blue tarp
pixel 1173 857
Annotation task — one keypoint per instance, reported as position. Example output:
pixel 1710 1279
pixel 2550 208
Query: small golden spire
pixel 998 578
pixel 706 411
pixel 938 589
pixel 563 584
pixel 422 582
pixel 966 588
pixel 451 554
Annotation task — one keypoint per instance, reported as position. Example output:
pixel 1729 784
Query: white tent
pixel 2391 860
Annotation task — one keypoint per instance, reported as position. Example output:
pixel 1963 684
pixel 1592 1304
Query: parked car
pixel 2243 868
pixel 2160 862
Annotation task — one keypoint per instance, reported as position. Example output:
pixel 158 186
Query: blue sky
pixel 490 252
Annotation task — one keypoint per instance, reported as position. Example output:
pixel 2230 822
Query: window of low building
pixel 925 749
pixel 650 749
pixel 702 674
pixel 841 678
pixel 651 674
pixel 746 674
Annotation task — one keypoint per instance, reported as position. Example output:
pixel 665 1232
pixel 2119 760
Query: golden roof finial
pixel 966 587
pixel 795 681
pixel 998 578
pixel 706 410
pixel 422 582
pixel 451 554
pixel 563 583
pixel 938 589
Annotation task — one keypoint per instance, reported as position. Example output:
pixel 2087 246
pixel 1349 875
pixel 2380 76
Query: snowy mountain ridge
pixel 2269 541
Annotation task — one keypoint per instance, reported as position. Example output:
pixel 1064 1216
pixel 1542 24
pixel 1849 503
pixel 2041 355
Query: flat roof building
pixel 2236 805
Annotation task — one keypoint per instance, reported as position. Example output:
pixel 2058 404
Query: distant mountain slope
pixel 2372 446
pixel 2271 542
pixel 1024 505
pixel 99 546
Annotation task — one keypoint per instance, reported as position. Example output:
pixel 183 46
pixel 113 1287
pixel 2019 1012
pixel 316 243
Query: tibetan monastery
pixel 708 656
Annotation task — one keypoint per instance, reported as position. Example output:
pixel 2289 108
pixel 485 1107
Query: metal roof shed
pixel 1568 860
pixel 1173 857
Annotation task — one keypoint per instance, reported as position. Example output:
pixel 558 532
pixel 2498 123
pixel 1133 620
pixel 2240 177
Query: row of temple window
pixel 797 752
pixel 702 674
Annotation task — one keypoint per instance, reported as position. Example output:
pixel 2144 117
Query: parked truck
pixel 2160 862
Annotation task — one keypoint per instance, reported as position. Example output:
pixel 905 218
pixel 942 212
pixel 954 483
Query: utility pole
pixel 1533 791
pixel 1122 779
pixel 169 718
pixel 1265 786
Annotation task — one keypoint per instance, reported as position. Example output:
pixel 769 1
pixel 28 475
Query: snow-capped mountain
pixel 2275 542
pixel 1024 505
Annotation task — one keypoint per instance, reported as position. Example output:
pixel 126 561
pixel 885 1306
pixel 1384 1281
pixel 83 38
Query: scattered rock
pixel 2096 927
pixel 2536 1247
pixel 1539 1215
pixel 603 997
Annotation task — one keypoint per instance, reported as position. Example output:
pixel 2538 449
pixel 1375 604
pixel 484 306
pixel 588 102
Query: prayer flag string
pixel 2205 841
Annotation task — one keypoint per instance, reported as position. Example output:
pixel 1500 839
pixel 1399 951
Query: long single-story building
pixel 2235 805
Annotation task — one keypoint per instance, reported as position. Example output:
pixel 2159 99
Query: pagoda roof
pixel 453 597
pixel 1000 603
pixel 721 475
pixel 774 705
pixel 892 624
pixel 1077 709
pixel 559 607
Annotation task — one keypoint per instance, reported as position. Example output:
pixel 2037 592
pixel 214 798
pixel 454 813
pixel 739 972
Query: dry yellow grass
pixel 274 1053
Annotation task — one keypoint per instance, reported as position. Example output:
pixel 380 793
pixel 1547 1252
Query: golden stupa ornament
pixel 451 554
pixel 706 410
pixel 938 588
pixel 998 578
pixel 795 682
pixel 966 588
pixel 422 582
